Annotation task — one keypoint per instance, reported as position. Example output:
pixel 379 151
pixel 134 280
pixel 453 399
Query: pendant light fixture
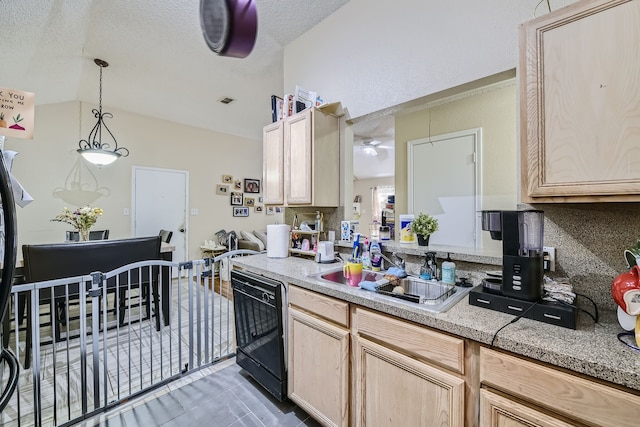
pixel 93 149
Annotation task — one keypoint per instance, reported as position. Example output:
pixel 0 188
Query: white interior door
pixel 444 181
pixel 160 201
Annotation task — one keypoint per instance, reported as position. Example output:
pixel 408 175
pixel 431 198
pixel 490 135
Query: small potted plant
pixel 423 226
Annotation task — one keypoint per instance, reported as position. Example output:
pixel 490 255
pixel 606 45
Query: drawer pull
pixel 484 301
pixel 552 316
pixel 511 307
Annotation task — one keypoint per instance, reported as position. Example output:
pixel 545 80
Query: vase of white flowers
pixel 82 219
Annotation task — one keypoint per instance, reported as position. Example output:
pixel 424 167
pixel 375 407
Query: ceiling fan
pixel 372 146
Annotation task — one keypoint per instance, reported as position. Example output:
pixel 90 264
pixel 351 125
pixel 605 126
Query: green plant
pixel 424 224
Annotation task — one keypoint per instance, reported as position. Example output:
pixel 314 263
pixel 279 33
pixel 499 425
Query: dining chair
pixel 74 236
pixel 166 235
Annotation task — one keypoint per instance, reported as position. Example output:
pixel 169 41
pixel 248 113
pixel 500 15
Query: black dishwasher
pixel 260 332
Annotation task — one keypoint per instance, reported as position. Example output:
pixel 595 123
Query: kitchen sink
pixel 336 276
pixel 430 295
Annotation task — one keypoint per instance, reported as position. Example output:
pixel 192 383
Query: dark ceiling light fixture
pixel 229 26
pixel 93 149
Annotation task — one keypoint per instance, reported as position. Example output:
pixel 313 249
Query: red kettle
pixel 625 290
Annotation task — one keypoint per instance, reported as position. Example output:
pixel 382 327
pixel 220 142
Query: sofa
pixel 252 240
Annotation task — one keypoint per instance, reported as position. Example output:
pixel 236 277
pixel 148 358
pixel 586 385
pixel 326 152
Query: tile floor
pixel 225 397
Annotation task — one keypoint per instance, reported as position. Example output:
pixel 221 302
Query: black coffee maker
pixel 522 234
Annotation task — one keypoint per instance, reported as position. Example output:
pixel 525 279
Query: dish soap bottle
pixel 449 271
pixel 375 254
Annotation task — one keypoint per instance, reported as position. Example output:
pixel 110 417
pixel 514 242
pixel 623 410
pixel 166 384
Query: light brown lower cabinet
pixel 546 389
pixel 318 361
pixel 500 411
pixel 393 389
pixel 405 374
pixel 352 366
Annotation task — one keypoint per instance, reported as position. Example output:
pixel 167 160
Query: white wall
pixel 371 55
pixel 50 164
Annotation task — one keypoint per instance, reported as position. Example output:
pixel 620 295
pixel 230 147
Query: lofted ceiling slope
pixel 159 64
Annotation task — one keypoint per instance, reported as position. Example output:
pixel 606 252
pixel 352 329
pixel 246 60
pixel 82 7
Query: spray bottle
pixel 366 260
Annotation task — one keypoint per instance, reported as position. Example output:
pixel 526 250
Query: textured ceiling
pixel 160 65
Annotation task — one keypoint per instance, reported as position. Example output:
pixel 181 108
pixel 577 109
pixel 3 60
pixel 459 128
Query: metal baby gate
pixel 104 338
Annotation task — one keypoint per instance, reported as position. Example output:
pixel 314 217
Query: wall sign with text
pixel 17 111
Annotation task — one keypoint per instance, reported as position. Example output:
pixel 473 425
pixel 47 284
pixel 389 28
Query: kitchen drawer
pixel 484 299
pixel 321 305
pixel 556 314
pixel 411 339
pixel 516 307
pixel 548 312
pixel 574 396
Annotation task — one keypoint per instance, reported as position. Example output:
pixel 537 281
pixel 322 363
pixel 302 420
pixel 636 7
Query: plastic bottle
pixel 317 225
pixel 448 269
pixel 406 234
pixel 375 253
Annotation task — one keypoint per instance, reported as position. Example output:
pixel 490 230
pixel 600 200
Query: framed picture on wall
pixel 237 185
pixel 258 208
pixel 251 185
pixel 270 210
pixel 227 179
pixel 222 189
pixel 236 198
pixel 249 201
pixel 241 211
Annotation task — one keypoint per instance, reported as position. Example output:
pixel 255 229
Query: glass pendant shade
pixel 98 156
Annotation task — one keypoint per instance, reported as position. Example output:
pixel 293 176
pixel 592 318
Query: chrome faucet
pixel 399 261
pixel 399 264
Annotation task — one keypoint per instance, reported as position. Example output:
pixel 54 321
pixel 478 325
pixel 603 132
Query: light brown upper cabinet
pixel 273 163
pixel 302 160
pixel 580 103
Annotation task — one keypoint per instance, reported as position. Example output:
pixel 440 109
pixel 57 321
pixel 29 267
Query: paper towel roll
pixel 277 241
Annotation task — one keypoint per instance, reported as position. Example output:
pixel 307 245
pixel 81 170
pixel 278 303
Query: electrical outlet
pixel 126 212
pixel 194 211
pixel 550 257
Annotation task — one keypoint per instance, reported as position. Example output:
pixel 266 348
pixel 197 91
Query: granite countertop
pixel 592 349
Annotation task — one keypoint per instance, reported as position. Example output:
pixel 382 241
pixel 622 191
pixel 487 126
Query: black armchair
pixel 166 235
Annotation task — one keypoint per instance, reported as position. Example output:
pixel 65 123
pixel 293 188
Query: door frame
pixel 186 202
pixel 476 134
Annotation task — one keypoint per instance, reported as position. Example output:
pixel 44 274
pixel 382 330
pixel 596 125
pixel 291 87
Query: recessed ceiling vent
pixel 226 100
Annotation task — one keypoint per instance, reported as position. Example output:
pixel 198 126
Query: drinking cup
pixel 353 273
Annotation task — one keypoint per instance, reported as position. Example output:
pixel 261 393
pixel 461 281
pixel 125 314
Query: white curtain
pixel 376 209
